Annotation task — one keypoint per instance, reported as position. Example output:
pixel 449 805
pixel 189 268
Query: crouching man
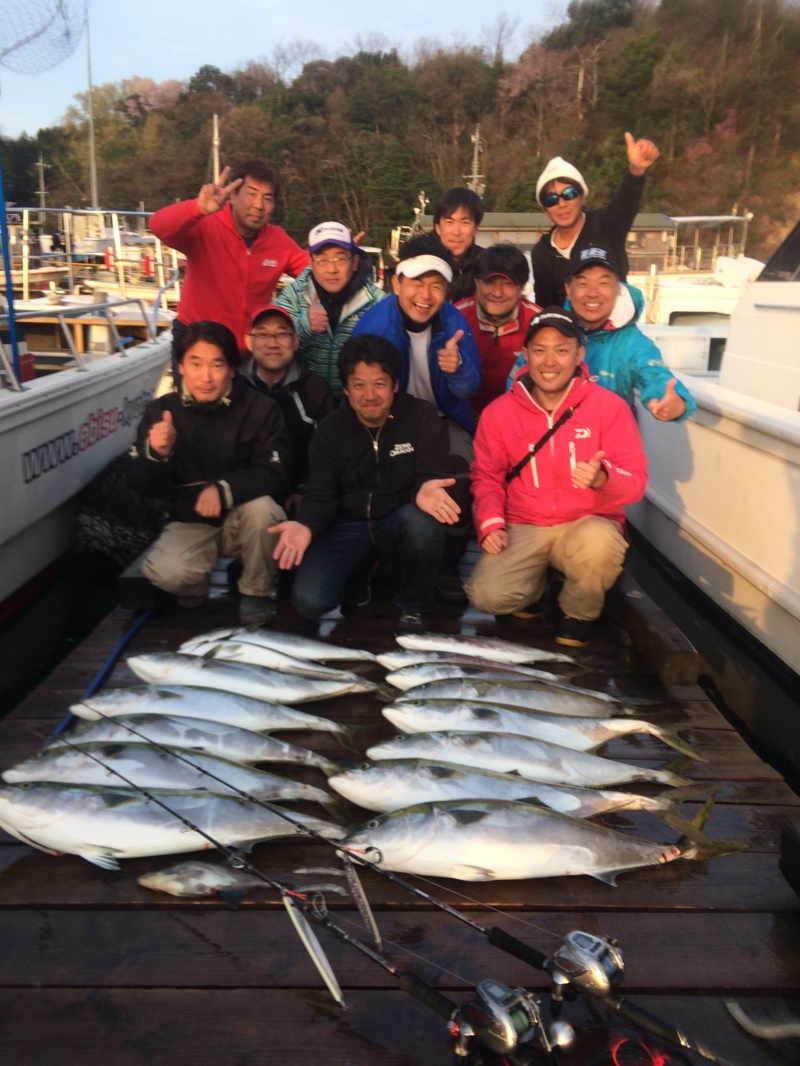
pixel 556 461
pixel 216 451
pixel 378 474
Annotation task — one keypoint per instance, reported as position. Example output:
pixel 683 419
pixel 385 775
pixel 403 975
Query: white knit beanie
pixel 560 168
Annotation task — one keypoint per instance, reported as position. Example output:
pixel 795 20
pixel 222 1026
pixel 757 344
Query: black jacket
pixel 606 226
pixel 304 398
pixel 237 443
pixel 463 283
pixel 356 474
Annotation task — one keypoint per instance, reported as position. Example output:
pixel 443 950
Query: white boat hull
pixel 56 435
pixel 723 505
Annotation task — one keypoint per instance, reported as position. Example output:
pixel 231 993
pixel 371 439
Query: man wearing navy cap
pixel 329 297
pixel 557 459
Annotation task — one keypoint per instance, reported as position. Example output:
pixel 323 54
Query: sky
pixel 167 39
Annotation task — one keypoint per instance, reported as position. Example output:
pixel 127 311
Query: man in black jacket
pixel 278 370
pixel 377 485
pixel 217 452
pixel 456 218
pixel 561 190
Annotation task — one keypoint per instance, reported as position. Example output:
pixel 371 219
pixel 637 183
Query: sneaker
pixel 254 610
pixel 410 622
pixel 451 588
pixel 573 632
pixel 533 610
pixel 191 603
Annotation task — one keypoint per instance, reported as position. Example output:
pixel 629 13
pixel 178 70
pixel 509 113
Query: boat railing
pixel 64 315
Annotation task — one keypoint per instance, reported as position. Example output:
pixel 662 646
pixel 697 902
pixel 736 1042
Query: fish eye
pixel 364 766
pixel 373 824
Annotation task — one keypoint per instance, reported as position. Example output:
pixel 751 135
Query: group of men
pixel 366 428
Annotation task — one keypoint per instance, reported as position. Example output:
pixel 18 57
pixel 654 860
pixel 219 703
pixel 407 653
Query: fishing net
pixel 35 35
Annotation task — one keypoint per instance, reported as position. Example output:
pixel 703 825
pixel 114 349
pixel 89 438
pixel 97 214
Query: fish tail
pixel 384 692
pixel 706 849
pixel 335 807
pixel 328 766
pixel 673 738
pixel 665 777
pixel 346 736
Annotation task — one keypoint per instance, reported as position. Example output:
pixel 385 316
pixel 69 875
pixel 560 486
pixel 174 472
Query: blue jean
pixel 409 538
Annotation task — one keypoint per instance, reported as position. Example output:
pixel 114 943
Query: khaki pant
pixel 183 557
pixel 589 552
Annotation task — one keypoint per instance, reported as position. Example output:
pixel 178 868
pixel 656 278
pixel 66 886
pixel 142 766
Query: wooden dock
pixel 95 969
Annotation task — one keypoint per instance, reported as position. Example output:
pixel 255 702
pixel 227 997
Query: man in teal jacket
pixel 618 354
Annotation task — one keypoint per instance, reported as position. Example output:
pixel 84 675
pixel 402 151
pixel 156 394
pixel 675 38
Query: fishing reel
pixel 506 1023
pixel 585 963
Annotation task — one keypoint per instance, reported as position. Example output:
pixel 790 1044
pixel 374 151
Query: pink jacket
pixel 542 494
pixel 226 281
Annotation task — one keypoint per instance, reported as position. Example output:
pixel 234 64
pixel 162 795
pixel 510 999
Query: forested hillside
pixel 714 82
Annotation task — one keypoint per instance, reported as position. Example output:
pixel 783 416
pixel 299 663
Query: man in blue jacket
pixel 440 364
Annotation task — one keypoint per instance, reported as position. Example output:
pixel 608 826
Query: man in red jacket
pixel 234 256
pixel 556 461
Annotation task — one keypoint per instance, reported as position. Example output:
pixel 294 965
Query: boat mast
pixel 92 158
pixel 475 180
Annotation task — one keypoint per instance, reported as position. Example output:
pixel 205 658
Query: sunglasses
pixel 550 199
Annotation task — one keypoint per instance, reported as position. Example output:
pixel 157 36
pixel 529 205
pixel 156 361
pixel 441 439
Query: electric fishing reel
pixel 585 963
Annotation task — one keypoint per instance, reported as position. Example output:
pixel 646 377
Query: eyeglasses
pixel 340 260
pixel 281 337
pixel 550 199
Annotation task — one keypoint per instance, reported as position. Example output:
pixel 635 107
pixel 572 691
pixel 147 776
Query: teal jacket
pixel 622 358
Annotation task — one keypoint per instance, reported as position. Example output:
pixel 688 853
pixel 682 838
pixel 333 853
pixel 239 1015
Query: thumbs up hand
pixel 591 474
pixel 670 406
pixel 317 315
pixel 449 358
pixel 162 436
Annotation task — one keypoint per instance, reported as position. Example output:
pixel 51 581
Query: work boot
pixel 573 632
pixel 410 622
pixel 254 610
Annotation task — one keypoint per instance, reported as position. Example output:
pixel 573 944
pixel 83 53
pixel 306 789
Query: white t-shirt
pixel 419 374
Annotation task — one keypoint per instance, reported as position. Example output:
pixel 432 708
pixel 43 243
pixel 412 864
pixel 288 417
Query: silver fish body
pixel 528 695
pixel 490 840
pixel 580 734
pixel 197 879
pixel 535 760
pixel 104 825
pixel 398 658
pixel 253 681
pixel 142 765
pixel 183 701
pixel 409 677
pixel 290 643
pixel 192 734
pixel 491 648
pixel 256 655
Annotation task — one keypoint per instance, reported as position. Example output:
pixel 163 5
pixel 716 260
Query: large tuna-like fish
pixel 150 767
pixel 186 702
pixel 408 677
pixel 256 655
pixel 491 648
pixel 495 840
pixel 396 783
pixel 193 734
pixel 192 879
pixel 581 734
pixel 509 753
pixel 397 658
pixel 103 825
pixel 253 681
pixel 529 695
pixel 290 643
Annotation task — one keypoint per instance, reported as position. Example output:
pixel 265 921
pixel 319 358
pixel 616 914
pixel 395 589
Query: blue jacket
pixel 622 358
pixel 452 391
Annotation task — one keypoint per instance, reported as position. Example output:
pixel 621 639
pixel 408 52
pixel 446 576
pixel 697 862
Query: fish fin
pixel 314 949
pixel 384 692
pixel 105 862
pixel 358 894
pixel 336 808
pixel 329 767
pixel 710 850
pixel 211 653
pixel 472 873
pixel 346 735
pixel 676 741
pixel 670 814
pixel 231 897
pixel 607 876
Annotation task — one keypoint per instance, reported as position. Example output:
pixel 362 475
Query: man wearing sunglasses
pixel 329 297
pixel 561 190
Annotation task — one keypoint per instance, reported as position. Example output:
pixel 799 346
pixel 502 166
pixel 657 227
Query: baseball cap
pixel 591 257
pixel 273 309
pixel 503 261
pixel 424 264
pixel 556 317
pixel 329 233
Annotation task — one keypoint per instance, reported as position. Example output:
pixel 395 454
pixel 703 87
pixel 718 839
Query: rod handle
pixel 415 986
pixel 499 938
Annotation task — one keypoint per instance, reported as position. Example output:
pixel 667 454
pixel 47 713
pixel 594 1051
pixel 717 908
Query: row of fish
pixel 478 737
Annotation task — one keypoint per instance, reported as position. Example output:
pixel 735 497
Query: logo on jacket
pixel 275 456
pixel 401 449
pixel 269 262
pixel 582 432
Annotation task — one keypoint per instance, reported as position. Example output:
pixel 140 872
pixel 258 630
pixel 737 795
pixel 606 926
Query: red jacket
pixel 498 347
pixel 226 281
pixel 542 494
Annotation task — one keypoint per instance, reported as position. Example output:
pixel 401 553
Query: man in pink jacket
pixel 556 461
pixel 234 257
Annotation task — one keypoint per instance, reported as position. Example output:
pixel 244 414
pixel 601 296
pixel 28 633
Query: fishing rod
pixel 583 963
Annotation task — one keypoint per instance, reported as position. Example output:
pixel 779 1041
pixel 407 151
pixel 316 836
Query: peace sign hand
pixel 212 198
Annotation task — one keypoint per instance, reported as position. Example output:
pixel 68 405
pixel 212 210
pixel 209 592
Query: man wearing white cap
pixel 561 190
pixel 329 297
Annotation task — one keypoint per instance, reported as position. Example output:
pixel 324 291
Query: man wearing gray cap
pixel 557 459
pixel 561 190
pixel 329 297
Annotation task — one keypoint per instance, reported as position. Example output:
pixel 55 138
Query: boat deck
pixel 96 969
